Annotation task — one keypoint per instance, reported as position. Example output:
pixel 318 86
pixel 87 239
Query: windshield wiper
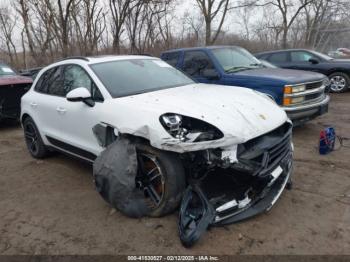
pixel 237 68
pixel 257 64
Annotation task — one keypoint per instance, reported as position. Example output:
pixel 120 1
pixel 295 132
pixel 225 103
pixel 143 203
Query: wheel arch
pixel 338 70
pixel 24 117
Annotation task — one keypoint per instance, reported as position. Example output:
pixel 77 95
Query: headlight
pixel 288 89
pixel 189 129
pixel 291 94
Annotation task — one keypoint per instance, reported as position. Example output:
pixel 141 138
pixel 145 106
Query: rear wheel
pixel 33 139
pixel 339 82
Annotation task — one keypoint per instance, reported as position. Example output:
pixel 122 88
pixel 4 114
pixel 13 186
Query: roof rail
pixel 75 57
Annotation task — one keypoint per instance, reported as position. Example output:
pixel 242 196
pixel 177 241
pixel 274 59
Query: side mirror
pixel 80 94
pixel 313 61
pixel 211 74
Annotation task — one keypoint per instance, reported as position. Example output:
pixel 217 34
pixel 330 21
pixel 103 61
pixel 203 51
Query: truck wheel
pixel 339 82
pixel 33 139
pixel 138 179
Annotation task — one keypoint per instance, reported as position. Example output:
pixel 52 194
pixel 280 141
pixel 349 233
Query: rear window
pixel 136 76
pixel 171 58
pixel 6 70
pixel 278 58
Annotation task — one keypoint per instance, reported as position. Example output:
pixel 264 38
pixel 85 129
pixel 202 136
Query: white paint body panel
pixel 240 113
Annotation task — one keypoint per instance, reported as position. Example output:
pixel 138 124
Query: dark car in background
pixel 338 70
pixel 31 72
pixel 300 93
pixel 12 88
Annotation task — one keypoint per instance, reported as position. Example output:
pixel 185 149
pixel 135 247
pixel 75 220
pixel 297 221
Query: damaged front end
pixel 226 186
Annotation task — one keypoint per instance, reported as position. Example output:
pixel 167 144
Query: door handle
pixel 61 110
pixel 33 104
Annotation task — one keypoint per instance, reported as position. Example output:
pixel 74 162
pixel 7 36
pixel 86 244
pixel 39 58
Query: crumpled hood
pixel 240 113
pixel 289 76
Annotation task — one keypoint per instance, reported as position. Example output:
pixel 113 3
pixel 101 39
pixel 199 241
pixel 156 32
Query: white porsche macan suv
pixel 157 138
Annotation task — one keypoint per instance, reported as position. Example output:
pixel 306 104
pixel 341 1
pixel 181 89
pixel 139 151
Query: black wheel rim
pixel 150 179
pixel 31 137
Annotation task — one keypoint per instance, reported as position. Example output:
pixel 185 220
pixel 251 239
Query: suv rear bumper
pixel 303 113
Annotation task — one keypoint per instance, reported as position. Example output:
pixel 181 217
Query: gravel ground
pixel 51 207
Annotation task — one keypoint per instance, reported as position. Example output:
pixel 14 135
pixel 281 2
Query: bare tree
pixel 7 25
pixel 289 10
pixel 212 9
pixel 120 10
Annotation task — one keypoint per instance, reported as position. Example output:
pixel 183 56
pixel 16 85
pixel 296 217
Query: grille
pixel 267 151
pixel 314 85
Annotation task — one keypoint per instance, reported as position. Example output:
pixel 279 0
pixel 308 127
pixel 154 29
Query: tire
pixel 174 179
pixel 340 82
pixel 35 144
pixel 120 177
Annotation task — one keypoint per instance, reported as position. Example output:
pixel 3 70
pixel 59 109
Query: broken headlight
pixel 188 129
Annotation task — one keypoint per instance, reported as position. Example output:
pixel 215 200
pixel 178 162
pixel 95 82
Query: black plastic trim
pixel 75 150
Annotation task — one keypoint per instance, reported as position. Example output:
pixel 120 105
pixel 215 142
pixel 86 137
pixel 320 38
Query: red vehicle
pixel 12 88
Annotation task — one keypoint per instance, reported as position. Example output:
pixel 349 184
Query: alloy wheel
pixel 338 83
pixel 31 138
pixel 150 178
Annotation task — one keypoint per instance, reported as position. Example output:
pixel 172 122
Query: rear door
pixel 45 102
pixel 280 59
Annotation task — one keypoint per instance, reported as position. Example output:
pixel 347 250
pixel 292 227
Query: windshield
pixel 5 70
pixel 136 76
pixel 234 59
pixel 326 57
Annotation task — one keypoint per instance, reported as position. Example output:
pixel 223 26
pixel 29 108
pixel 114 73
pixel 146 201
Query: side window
pixel 263 57
pixel 301 56
pixel 41 85
pixel 74 77
pixel 278 57
pixel 196 62
pixel 55 83
pixel 49 82
pixel 171 58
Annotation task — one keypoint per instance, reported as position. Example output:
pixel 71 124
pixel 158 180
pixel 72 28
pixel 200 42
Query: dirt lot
pixel 51 207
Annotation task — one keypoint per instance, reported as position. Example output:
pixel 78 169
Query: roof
pixel 200 48
pixel 280 50
pixel 105 58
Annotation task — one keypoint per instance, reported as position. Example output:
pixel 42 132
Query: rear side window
pixel 196 62
pixel 278 57
pixel 171 58
pixel 50 82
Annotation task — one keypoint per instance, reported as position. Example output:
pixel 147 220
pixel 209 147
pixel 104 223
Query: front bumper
pixel 302 113
pixel 265 200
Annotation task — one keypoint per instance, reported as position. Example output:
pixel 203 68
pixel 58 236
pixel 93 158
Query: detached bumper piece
pixel 226 195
